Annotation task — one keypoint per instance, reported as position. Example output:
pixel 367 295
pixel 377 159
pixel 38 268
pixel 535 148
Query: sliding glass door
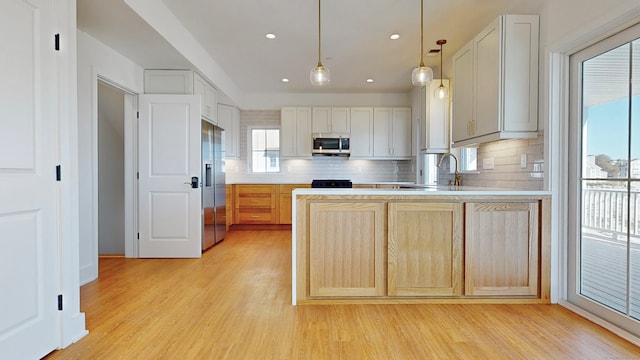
pixel 604 239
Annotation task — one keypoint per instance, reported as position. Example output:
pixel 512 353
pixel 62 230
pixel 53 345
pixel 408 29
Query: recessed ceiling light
pixel 285 80
pixel 394 36
pixel 270 36
pixel 369 80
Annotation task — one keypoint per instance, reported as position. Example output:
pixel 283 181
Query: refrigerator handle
pixel 207 175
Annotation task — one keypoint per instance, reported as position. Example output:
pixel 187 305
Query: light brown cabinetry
pixel 425 249
pixel 255 204
pixel 501 248
pixel 284 201
pixel 229 204
pixel 346 249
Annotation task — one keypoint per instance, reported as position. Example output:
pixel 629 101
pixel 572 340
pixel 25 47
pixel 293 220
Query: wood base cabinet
pixel 284 201
pixel 425 249
pixel 346 258
pixel 255 204
pixel 501 248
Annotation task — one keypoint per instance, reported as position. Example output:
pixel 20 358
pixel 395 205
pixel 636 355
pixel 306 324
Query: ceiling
pixel 355 38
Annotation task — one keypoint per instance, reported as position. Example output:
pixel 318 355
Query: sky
pixel 608 129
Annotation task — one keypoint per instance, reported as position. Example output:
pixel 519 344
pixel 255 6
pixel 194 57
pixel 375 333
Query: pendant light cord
pixel 441 74
pixel 319 31
pixel 421 33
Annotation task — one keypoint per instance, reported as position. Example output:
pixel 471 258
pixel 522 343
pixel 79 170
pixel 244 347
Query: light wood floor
pixel 234 303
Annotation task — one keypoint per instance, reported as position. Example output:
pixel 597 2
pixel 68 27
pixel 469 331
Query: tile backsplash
pixel 507 171
pixel 506 155
pixel 305 170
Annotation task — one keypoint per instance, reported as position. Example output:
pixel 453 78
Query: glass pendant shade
pixel 320 75
pixel 421 75
pixel 441 92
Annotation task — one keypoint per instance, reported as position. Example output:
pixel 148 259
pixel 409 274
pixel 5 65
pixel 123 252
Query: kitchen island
pixel 420 245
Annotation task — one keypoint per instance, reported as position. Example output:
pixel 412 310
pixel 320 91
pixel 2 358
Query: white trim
pixel 557 109
pixel 599 321
pixel 72 321
pixel 130 165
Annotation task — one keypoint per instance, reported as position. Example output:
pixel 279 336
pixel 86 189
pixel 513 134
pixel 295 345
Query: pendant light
pixel 319 75
pixel 441 91
pixel 422 74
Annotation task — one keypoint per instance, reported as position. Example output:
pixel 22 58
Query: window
pixel 264 151
pixel 468 159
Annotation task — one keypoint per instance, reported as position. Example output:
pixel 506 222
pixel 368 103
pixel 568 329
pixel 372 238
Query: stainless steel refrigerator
pixel 214 213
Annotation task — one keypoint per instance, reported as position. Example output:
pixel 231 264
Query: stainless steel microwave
pixel 331 144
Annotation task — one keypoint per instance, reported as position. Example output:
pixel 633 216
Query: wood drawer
pixel 256 217
pixel 244 189
pixel 256 201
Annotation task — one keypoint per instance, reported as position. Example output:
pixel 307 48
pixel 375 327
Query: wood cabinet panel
pixel 285 199
pixel 346 249
pixel 229 205
pixel 425 249
pixel 502 248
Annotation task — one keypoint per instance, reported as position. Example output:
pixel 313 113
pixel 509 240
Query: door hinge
pixel 60 302
pixel 56 42
pixel 58 172
pixel 137 175
pixel 138 236
pixel 138 114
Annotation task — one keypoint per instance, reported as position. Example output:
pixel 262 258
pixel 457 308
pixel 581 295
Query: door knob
pixel 194 182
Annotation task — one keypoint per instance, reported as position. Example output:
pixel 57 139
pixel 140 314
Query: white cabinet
pixel 361 138
pixel 229 120
pixel 295 132
pixel 495 94
pixel 183 82
pixel 208 95
pixel 434 128
pixel 331 120
pixel 392 132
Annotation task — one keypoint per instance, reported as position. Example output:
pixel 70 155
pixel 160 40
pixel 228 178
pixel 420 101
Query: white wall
pixel 95 59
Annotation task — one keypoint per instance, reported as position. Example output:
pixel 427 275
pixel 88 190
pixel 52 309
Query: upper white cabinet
pixel 209 96
pixel 495 92
pixel 295 132
pixel 183 82
pixel 434 118
pixel 361 138
pixel 229 120
pixel 331 120
pixel 392 132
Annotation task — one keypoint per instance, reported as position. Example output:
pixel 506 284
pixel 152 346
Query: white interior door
pixel 169 156
pixel 29 281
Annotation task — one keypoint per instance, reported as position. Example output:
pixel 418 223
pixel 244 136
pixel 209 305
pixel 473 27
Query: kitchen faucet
pixel 457 176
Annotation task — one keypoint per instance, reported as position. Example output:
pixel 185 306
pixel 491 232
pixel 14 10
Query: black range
pixel 331 183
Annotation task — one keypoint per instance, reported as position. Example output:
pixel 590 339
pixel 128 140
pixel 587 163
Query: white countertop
pixel 428 190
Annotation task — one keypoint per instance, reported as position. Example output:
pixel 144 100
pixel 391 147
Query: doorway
pixel 110 171
pixel 115 170
pixel 604 238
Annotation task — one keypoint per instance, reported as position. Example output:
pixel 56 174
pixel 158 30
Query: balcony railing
pixel 617 211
